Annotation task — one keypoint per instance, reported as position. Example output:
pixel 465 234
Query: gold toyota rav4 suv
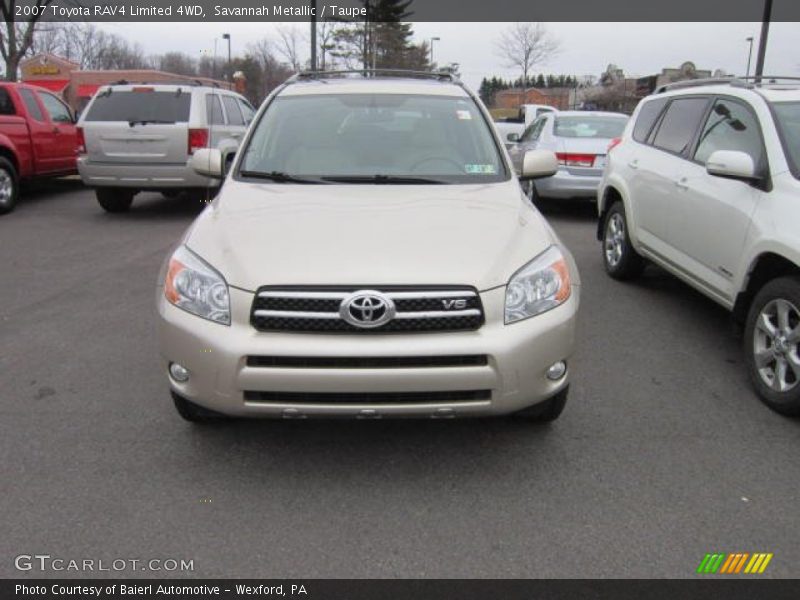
pixel 370 254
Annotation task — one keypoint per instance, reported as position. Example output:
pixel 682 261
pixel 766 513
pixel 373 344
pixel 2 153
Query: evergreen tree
pixel 384 41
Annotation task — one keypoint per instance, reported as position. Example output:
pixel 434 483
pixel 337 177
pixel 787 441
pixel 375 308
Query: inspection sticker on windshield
pixel 480 169
pixel 464 115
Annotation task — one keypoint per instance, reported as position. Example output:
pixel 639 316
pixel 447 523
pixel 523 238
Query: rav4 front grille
pixel 367 310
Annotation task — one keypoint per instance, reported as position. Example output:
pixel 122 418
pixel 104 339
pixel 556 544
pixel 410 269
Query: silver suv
pixel 141 137
pixel 705 182
pixel 370 255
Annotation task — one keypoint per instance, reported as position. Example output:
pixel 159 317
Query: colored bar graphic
pixel 733 563
pixel 731 560
pixel 703 563
pixel 764 564
pixel 741 562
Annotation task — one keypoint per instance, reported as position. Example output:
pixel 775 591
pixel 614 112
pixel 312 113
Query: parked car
pixel 511 130
pixel 139 137
pixel 370 255
pixel 37 139
pixel 705 182
pixel 580 140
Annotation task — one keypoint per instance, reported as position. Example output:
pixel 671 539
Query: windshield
pixel 368 138
pixel 589 127
pixel 144 105
pixel 788 118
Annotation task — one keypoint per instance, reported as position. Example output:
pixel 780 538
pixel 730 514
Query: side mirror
pixel 513 137
pixel 208 162
pixel 537 164
pixel 732 164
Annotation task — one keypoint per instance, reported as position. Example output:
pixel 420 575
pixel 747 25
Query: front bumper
pixel 566 183
pixel 518 356
pixel 141 177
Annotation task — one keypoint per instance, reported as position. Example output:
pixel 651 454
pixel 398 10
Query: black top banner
pixel 418 10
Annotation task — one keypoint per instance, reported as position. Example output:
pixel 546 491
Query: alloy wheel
pixel 6 188
pixel 614 239
pixel 775 345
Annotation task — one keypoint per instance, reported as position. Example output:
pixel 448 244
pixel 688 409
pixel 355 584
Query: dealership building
pixel 77 86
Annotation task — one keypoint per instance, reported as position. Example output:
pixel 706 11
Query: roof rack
pixel 750 82
pixel 438 75
pixel 688 83
pixel 186 82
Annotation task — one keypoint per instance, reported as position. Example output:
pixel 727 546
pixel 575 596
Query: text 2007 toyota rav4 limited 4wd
pixel 370 254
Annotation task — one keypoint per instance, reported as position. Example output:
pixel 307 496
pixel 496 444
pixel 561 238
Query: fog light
pixel 179 373
pixel 557 370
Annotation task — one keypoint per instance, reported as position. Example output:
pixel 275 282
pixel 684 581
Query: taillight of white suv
pixel 198 138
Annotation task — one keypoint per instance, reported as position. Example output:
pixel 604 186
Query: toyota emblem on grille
pixel 367 309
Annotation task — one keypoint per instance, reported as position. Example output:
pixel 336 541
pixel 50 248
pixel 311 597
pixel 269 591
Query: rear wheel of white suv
pixel 114 200
pixel 772 342
pixel 619 257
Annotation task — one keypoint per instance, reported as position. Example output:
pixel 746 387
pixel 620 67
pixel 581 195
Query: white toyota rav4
pixel 370 254
pixel 705 182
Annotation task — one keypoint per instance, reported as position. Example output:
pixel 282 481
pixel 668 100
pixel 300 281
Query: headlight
pixel 196 287
pixel 540 285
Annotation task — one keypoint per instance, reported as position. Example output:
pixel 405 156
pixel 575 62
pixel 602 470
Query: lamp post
pixel 749 54
pixel 227 36
pixel 214 61
pixel 433 39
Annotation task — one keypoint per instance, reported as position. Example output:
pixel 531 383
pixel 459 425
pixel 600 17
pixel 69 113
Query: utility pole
pixel 366 35
pixel 313 35
pixel 762 42
pixel 749 55
pixel 433 39
pixel 227 36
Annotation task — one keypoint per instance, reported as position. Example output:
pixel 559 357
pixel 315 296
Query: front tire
pixel 547 411
pixel 114 200
pixel 620 259
pixel 772 342
pixel 9 186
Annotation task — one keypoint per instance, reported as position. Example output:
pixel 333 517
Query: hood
pixel 368 235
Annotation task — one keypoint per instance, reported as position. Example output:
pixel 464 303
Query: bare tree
pixel 17 39
pixel 176 62
pixel 289 46
pixel 525 45
pixel 273 71
pixel 325 38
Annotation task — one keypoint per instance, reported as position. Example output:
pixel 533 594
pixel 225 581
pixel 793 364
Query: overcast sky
pixel 586 48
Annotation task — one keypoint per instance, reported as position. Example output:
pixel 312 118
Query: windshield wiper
pixel 381 179
pixel 149 121
pixel 277 177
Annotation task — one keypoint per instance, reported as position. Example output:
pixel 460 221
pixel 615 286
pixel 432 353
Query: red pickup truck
pixel 38 138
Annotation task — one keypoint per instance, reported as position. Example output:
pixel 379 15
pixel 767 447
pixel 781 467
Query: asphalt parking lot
pixel 662 455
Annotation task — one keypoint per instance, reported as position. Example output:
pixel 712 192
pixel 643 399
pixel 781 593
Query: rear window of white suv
pixel 787 115
pixel 145 104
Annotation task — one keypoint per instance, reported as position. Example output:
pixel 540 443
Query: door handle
pixel 682 183
pixel 56 130
pixel 633 164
